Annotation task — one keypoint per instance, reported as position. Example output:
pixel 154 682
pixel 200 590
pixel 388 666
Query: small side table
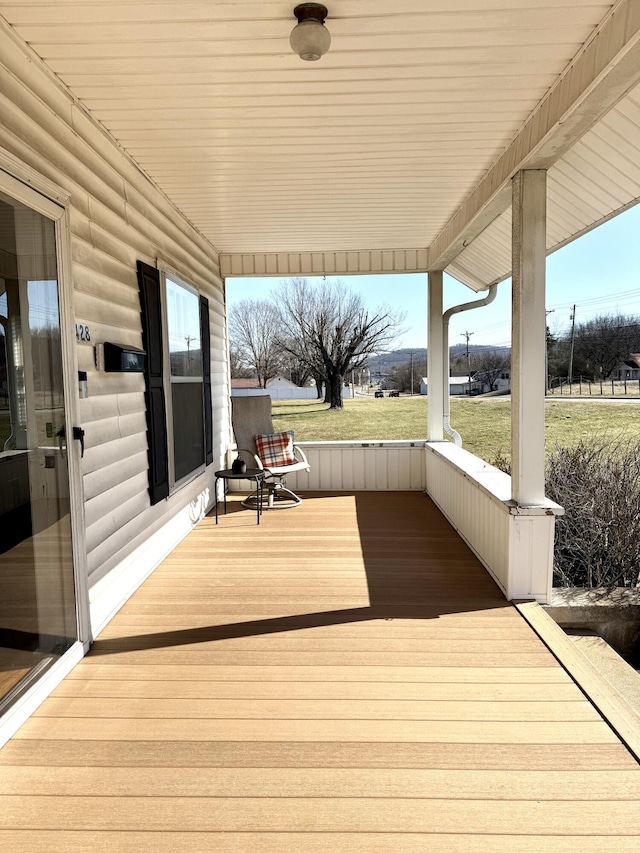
pixel 255 474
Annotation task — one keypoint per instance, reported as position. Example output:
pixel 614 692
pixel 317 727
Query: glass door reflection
pixel 37 597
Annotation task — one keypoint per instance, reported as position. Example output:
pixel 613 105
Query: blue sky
pixel 599 273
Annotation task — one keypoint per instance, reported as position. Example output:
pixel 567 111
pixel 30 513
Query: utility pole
pixel 188 339
pixel 573 329
pixel 467 335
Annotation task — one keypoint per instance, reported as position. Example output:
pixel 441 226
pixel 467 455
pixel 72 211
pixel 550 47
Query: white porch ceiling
pixel 596 179
pixel 373 148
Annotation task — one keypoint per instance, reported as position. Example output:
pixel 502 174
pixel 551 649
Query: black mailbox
pixel 118 359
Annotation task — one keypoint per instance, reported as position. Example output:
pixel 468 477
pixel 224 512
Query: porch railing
pixel 514 543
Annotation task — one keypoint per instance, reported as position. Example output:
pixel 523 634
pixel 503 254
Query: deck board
pixel 344 676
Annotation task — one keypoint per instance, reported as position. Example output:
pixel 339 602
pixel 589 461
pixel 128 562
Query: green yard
pixel 483 423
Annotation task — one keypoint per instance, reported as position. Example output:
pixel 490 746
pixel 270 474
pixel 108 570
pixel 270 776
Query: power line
pixel 607 298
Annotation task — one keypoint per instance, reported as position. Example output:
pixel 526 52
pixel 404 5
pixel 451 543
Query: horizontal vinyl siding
pixel 117 216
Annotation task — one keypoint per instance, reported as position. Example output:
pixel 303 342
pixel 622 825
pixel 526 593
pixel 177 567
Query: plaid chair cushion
pixel 276 450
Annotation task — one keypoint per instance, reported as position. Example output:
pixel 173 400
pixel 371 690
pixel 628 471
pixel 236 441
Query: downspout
pixel 457 309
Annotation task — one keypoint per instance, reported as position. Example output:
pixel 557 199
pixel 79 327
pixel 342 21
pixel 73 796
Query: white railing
pixel 514 543
pixel 379 466
pixel 342 466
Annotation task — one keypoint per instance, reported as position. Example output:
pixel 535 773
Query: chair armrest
pixel 300 454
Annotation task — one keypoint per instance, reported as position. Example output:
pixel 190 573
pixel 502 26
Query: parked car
pixel 394 393
pixel 379 394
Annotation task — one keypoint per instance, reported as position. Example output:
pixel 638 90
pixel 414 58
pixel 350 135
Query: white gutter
pixel 457 309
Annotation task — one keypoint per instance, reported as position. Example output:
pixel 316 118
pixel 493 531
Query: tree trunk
pixel 335 383
pixel 319 380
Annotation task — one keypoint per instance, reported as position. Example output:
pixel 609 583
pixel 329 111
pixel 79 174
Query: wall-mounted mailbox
pixel 119 359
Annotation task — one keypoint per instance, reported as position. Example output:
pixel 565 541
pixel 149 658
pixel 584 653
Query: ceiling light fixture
pixel 310 38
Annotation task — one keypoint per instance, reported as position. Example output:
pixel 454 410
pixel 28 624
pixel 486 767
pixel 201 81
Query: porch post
pixel 435 358
pixel 528 337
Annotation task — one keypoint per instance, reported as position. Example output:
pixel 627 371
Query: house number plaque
pixel 83 333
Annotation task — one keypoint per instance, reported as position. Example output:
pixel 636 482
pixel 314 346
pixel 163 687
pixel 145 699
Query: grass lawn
pixel 485 425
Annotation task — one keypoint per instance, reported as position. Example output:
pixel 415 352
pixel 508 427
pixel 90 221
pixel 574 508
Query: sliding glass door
pixel 38 621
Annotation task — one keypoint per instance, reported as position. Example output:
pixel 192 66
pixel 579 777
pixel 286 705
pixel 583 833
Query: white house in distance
pixel 458 386
pixel 630 368
pixel 150 150
pixel 278 388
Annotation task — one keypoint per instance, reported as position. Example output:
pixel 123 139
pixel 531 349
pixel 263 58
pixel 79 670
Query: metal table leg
pixel 259 497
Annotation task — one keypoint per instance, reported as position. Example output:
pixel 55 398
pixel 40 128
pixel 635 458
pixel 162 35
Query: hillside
pixel 384 364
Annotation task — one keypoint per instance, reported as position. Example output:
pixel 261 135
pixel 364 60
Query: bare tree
pixel 252 336
pixel 330 329
pixel 296 370
pixel 239 369
pixel 603 342
pixel 489 364
pixel 297 299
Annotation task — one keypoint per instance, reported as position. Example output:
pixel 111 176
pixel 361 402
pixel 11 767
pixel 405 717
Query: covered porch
pixel 349 674
pixel 344 676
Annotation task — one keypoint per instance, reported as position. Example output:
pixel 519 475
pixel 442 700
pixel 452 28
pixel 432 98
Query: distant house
pixel 254 383
pixel 244 384
pixel 281 382
pixel 503 382
pixel 278 388
pixel 458 386
pixel 494 380
pixel 630 368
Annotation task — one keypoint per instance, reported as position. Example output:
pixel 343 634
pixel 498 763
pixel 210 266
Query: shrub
pixel 597 481
pixel 501 460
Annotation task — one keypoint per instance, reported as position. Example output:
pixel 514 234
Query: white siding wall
pixel 117 216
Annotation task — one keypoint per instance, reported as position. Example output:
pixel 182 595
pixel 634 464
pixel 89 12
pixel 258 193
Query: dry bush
pixel 597 481
pixel 501 460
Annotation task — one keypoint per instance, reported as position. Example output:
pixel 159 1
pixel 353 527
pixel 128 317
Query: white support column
pixel 435 359
pixel 528 337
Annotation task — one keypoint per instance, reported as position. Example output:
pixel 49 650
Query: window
pixel 176 339
pixel 184 382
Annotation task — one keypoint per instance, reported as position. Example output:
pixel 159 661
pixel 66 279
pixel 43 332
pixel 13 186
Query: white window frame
pixel 168 273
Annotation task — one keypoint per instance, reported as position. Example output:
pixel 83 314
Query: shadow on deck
pixel 414 564
pixel 346 675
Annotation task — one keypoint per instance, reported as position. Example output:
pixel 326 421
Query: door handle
pixel 78 435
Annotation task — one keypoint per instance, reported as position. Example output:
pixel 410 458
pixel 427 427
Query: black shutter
pixel 205 336
pixel 151 309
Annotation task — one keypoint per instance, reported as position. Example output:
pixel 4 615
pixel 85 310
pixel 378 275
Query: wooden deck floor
pixel 343 677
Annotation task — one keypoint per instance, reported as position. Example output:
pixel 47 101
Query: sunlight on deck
pixel 344 676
